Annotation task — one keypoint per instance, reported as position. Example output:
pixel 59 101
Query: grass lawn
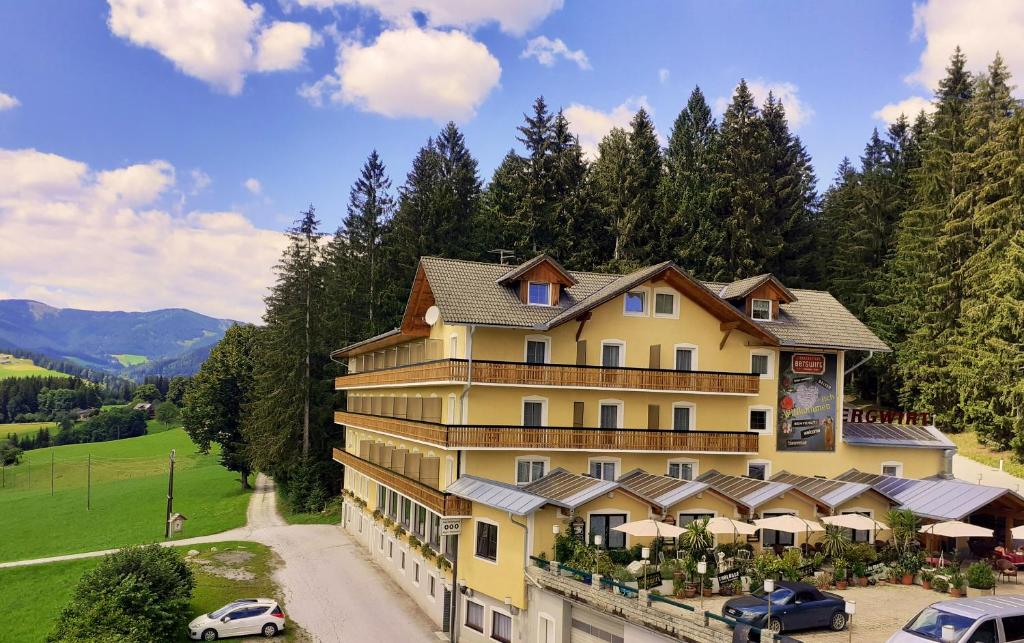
pixel 25 428
pixel 127 359
pixel 14 367
pixel 967 445
pixel 331 515
pixel 33 596
pixel 128 500
pixel 156 426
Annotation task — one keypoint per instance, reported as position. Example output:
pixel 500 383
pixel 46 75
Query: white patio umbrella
pixel 857 522
pixel 790 524
pixel 648 528
pixel 956 529
pixel 720 525
pixel 1017 532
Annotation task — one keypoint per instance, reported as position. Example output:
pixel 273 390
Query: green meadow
pixel 14 367
pixel 27 428
pixel 126 359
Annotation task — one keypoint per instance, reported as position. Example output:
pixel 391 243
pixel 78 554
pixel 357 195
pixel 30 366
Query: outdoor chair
pixel 1006 569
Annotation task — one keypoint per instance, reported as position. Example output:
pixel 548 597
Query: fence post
pixel 51 472
pixel 88 484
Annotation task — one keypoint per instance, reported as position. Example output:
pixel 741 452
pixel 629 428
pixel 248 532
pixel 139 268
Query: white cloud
pixel 663 75
pixel 980 28
pixel 591 124
pixel 253 185
pixel 797 111
pixel 546 51
pixel 411 72
pixel 200 181
pixel 908 106
pixel 117 248
pixel 8 102
pixel 515 18
pixel 217 42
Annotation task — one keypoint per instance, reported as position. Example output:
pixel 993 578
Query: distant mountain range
pixel 173 341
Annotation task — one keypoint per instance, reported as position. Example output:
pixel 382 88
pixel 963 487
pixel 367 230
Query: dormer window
pixel 539 294
pixel 761 309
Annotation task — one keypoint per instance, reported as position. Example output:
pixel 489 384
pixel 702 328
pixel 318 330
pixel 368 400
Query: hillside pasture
pixel 127 499
pixel 11 366
pixel 127 359
pixel 27 428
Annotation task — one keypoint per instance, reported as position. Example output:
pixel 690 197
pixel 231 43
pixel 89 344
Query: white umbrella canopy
pixel 956 529
pixel 648 528
pixel 789 523
pixel 857 522
pixel 722 525
pixel 1017 532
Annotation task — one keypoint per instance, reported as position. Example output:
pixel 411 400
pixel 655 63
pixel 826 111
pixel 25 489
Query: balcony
pixel 574 438
pixel 437 501
pixel 456 371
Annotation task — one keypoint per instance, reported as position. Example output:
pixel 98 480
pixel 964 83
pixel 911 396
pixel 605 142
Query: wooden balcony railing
pixel 523 437
pixel 556 375
pixel 437 501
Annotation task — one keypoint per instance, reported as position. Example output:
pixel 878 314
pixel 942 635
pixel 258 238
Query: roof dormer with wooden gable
pixel 758 297
pixel 539 281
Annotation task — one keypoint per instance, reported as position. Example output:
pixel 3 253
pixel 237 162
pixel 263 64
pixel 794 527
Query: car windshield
pixel 227 608
pixel 779 597
pixel 929 622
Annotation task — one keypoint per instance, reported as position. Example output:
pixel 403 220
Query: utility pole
pixel 51 473
pixel 170 498
pixel 88 483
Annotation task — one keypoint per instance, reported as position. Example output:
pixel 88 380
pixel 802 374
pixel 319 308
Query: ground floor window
pixel 858 536
pixel 603 469
pixel 681 470
pixel 432 586
pixel 475 616
pixel 501 627
pixel 601 525
pixel 529 470
pixel 772 537
pixel 687 518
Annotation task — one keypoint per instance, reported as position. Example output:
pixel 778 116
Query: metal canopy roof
pixel 569 490
pixel 895 435
pixel 831 493
pixel 498 495
pixel 660 490
pixel 935 499
pixel 748 492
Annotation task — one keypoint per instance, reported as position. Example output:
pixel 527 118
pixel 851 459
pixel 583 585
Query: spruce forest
pixel 922 237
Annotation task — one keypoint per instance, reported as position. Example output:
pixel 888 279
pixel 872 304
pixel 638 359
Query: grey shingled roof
pixel 498 495
pixel 895 435
pixel 525 267
pixel 660 490
pixel 743 287
pixel 569 490
pixel 746 491
pixel 830 493
pixel 934 499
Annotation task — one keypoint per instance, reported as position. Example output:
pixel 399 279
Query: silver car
pixel 990 619
pixel 243 617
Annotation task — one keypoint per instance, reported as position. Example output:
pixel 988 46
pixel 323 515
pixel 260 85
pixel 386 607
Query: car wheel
pixel 838 621
pixel 775 625
pixel 210 635
pixel 270 630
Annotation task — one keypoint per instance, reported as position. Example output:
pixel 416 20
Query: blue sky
pixel 148 125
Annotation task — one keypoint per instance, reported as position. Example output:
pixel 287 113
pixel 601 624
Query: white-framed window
pixel 771 537
pixel 416 573
pixel 537 349
pixel 603 523
pixel 759 419
pixel 530 468
pixel 635 302
pixel 892 468
pixel 538 293
pixel 684 416
pixel 604 468
pixel 501 626
pixel 666 303
pixel 759 469
pixel 613 353
pixel 485 545
pixel 453 347
pixel 863 535
pixel 475 616
pixel 685 357
pixel 762 362
pixel 391 549
pixel 610 414
pixel 761 309
pixel 451 408
pixel 432 586
pixel 535 411
pixel 545 629
pixel 683 468
pixel 401 563
pixel 693 515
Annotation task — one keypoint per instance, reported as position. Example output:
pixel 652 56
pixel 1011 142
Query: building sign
pixel 579 529
pixel 728 577
pixel 451 527
pixel 651 579
pixel 916 418
pixel 807 402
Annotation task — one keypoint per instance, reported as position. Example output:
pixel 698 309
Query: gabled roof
pixel 830 493
pixel 527 266
pixel 748 492
pixel 497 495
pixel 743 287
pixel 569 490
pixel 877 434
pixel 937 499
pixel 660 490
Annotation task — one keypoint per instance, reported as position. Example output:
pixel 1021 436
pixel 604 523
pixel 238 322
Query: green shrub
pixel 981 576
pixel 136 594
pixel 940 584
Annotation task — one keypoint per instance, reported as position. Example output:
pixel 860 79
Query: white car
pixel 989 619
pixel 239 618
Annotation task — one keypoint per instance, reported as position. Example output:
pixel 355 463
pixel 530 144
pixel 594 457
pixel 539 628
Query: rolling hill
pixel 172 341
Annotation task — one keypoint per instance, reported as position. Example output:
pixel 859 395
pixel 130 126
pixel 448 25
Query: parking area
pixel 881 610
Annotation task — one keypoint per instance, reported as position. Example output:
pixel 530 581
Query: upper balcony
pixel 548 437
pixel 439 502
pixel 494 373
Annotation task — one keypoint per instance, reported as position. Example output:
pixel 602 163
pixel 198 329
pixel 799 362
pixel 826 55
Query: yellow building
pixel 514 400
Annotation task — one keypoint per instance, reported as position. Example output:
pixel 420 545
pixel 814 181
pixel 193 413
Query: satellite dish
pixel 432 315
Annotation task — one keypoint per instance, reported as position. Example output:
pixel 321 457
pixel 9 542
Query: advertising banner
pixel 807 402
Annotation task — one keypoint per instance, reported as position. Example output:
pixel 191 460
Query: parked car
pixel 239 618
pixel 988 619
pixel 795 606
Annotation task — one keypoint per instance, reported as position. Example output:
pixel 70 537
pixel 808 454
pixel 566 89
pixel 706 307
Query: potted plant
pixel 980 579
pixel 860 572
pixel 940 584
pixel 926 578
pixel 737 587
pixel 839 572
pixel 707 587
pixel 957 584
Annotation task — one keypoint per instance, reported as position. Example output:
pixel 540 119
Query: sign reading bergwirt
pixel 807 402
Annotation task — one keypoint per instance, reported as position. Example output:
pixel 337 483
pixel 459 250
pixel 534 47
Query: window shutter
pixel 581 352
pixel 656 356
pixel 577 414
pixel 653 411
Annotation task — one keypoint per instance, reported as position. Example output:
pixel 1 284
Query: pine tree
pixel 609 180
pixel 640 235
pixel 536 202
pixel 583 241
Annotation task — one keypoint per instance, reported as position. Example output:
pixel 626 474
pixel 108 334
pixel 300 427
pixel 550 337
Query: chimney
pixel 947 463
